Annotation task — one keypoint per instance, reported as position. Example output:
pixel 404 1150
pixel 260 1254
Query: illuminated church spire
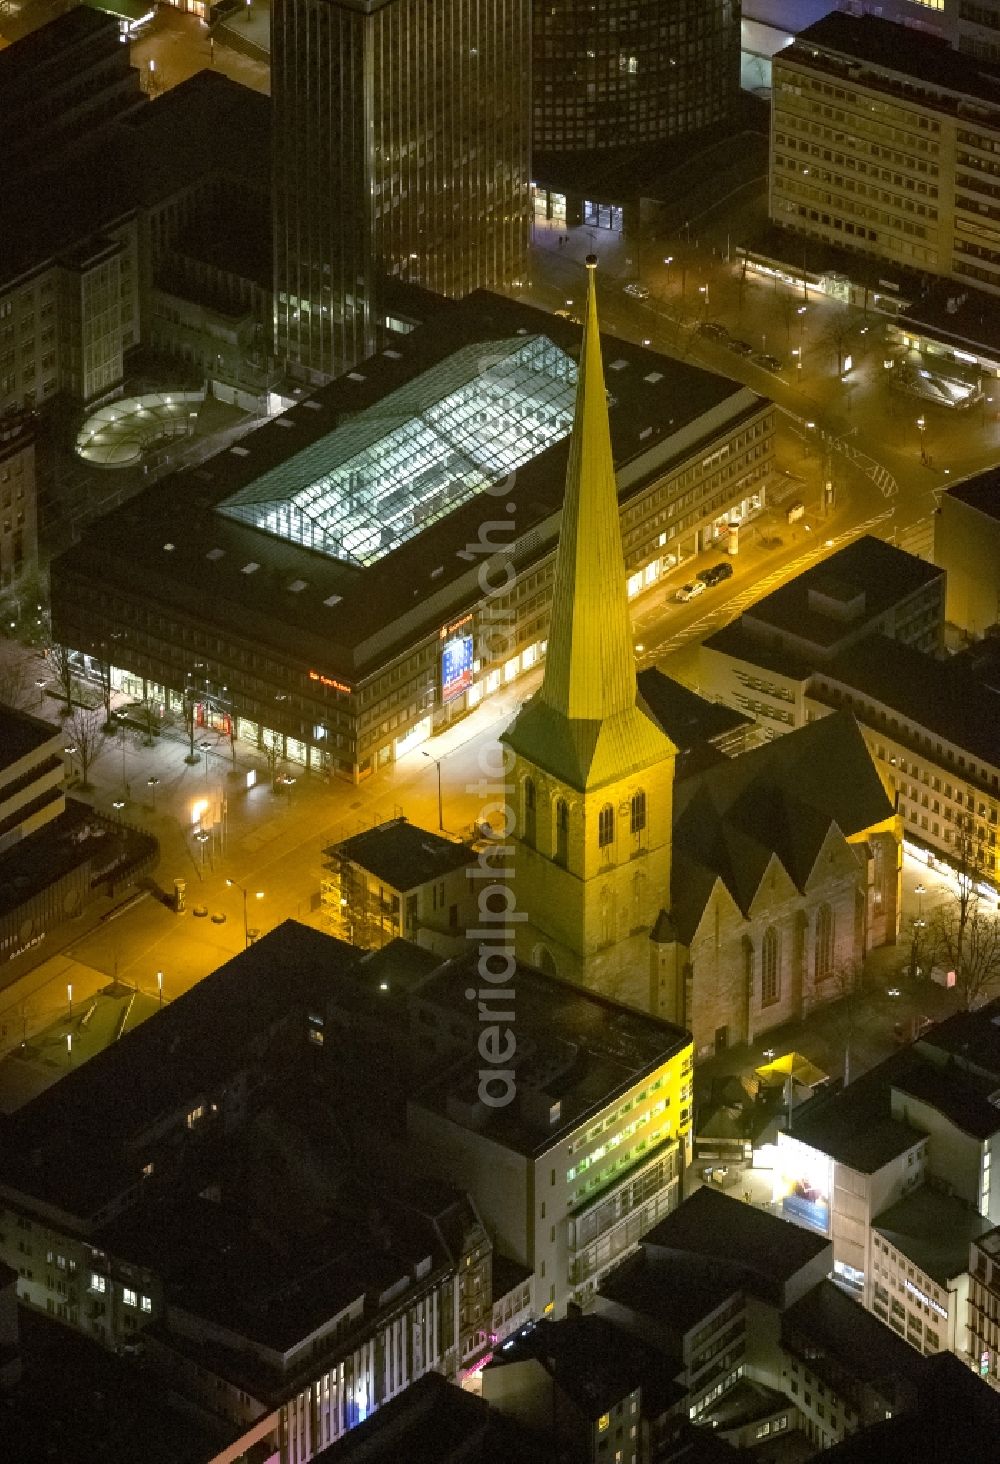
pixel 590 666
pixel 584 726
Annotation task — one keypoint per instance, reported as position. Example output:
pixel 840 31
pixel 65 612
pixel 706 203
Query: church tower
pixel 592 773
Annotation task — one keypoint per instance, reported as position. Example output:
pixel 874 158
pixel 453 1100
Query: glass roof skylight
pixel 387 474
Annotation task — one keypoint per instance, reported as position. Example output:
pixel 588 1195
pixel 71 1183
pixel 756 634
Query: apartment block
pixel 18 499
pixel 888 142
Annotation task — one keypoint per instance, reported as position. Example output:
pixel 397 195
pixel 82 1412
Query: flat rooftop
pixel 79 1403
pixel 814 607
pixel 680 1291
pixel 842 1337
pixel 78 1146
pixel 689 720
pixel 954 1094
pixel 716 1227
pixel 580 1050
pixel 854 1125
pixel 178 547
pixel 933 1230
pixel 402 855
pixel 21 734
pixel 596 1363
pixel 981 492
pixel 943 696
pixel 904 53
pixel 972 1036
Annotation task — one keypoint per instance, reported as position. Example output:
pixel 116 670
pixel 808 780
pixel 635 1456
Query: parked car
pixel 741 348
pixel 770 363
pixel 669 560
pixel 716 574
pixel 689 591
pixel 714 330
pixel 637 291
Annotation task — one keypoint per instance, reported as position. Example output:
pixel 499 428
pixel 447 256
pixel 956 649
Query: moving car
pixel 770 363
pixel 688 592
pixel 741 348
pixel 637 291
pixel 716 574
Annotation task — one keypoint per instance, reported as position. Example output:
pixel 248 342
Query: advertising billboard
pixel 804 1182
pixel 456 666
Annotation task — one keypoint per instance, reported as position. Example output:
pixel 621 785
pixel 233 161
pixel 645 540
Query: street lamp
pixel 202 838
pixel 922 428
pixel 159 988
pixel 668 261
pixel 41 691
pixel 259 895
pixel 204 745
pixel 152 784
pixel 437 763
pixel 118 805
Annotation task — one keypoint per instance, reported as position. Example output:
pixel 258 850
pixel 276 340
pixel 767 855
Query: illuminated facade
pixel 885 142
pixel 621 74
pixel 400 149
pixel 349 655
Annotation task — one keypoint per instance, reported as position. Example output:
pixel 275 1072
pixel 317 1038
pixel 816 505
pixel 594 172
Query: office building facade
pixel 888 148
pixel 401 137
pixel 623 75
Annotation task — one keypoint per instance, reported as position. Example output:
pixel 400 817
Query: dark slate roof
pixel 933 1230
pixel 944 696
pixel 402 855
pixel 769 1251
pixel 909 52
pixel 22 734
pixel 780 799
pixel 957 1417
pixel 981 492
pixel 954 1096
pixel 853 1340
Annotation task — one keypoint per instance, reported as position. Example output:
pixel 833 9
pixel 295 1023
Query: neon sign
pixel 447 630
pixel 330 682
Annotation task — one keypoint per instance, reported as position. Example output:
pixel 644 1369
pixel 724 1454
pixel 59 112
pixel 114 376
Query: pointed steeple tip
pixel 591 261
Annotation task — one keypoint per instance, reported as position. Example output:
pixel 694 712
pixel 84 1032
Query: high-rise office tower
pixel 401 148
pixel 629 72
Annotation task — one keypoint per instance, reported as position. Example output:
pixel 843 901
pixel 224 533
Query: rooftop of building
pixel 970 1038
pixel 901 51
pixel 436 1422
pixel 21 734
pixel 959 1097
pixel 840 1337
pixel 981 492
pixel 956 1417
pixel 150 155
pixel 778 800
pixel 402 855
pixel 942 696
pixel 956 313
pixel 175 548
pixel 74 837
pixel 77 1145
pixel 768 1250
pixel 79 1403
pixel 692 722
pixel 593 1362
pixel 834 600
pixel 508 1275
pixel 576 1051
pixel 933 1230
pixel 27 63
pixel 680 1291
pixel 854 1125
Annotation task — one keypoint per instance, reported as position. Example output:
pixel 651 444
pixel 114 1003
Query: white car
pixel 690 591
pixel 637 291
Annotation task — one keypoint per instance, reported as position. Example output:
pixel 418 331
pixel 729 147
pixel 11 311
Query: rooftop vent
pixel 332 600
pixel 250 568
pixel 214 554
pixel 238 451
pixel 653 377
pixel 618 365
pixel 297 586
pixel 283 421
pixel 169 547
pixel 355 376
pixel 393 355
pixel 314 406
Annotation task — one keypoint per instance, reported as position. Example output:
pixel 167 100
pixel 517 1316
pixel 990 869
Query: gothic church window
pixel 562 831
pixel 606 826
pixel 529 811
pixel 824 942
pixel 770 975
pixel 638 811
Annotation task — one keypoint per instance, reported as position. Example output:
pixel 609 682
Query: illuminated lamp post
pixel 437 763
pixel 259 894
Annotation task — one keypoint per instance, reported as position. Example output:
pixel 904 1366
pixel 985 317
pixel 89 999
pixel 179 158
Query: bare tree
pixel 965 936
pixel 837 338
pixel 15 685
pixel 88 739
pixel 849 981
pixel 58 658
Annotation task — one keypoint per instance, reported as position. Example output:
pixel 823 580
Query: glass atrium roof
pixel 383 476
